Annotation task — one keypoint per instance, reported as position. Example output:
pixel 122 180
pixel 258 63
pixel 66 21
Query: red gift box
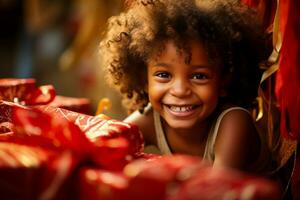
pixel 80 105
pixel 39 132
pixel 110 144
pixel 6 125
pixel 99 149
pixel 99 184
pixel 25 91
pixel 176 177
pixel 216 183
pixel 35 173
pixel 15 88
pixel 124 139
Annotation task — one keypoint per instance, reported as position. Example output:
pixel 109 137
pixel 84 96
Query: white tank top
pixel 209 148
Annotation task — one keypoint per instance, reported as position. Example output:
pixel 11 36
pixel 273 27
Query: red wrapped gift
pixel 145 179
pixel 6 125
pixel 110 144
pixel 98 184
pixel 124 139
pixel 103 145
pixel 80 105
pixel 25 91
pixel 160 173
pixel 35 173
pixel 216 183
pixel 176 177
pixel 15 88
pixel 39 132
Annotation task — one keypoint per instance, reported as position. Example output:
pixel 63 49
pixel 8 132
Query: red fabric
pixel 288 76
pixel 288 79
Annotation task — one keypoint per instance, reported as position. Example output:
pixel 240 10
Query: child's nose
pixel 180 88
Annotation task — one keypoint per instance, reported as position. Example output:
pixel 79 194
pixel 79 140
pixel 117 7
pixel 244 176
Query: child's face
pixel 183 94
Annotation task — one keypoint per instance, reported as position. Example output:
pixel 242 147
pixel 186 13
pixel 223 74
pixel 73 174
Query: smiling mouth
pixel 181 109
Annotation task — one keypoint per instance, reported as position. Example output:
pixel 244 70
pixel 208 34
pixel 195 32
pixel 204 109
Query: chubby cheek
pixel 156 93
pixel 209 97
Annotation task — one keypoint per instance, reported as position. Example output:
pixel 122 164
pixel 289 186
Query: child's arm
pixel 237 144
pixel 145 123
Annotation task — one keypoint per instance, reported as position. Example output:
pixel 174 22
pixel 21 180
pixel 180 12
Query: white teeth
pixel 181 108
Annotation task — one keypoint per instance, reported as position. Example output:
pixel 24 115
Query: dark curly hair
pixel 228 30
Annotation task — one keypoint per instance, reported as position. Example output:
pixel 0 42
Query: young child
pixel 190 70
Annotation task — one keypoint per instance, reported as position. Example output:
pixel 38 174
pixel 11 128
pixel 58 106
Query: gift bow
pixel 109 144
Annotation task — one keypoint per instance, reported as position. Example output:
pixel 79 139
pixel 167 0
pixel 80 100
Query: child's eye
pixel 162 75
pixel 199 76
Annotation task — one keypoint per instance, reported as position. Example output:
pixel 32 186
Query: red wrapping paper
pixel 25 91
pixel 39 132
pixel 110 144
pixel 80 105
pixel 6 125
pixel 11 88
pixel 99 184
pixel 35 173
pixel 212 183
pixel 124 139
pixel 147 178
pixel 176 177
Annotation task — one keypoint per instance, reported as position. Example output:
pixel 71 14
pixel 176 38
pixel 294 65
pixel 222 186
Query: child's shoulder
pixel 235 122
pixel 237 143
pixel 145 122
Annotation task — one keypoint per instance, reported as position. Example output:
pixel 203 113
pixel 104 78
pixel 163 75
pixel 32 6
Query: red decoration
pixel 288 76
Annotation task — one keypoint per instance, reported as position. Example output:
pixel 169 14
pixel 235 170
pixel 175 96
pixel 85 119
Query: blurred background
pixel 55 42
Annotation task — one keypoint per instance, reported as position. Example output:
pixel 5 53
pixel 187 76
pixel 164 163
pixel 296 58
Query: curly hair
pixel 227 29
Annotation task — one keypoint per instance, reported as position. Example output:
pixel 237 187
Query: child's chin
pixel 180 124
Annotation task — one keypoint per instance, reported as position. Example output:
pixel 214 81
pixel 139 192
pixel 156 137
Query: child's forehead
pixel 193 54
pixel 182 46
pixel 188 48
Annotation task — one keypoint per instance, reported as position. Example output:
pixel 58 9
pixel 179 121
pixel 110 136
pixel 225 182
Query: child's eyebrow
pixel 201 66
pixel 161 64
